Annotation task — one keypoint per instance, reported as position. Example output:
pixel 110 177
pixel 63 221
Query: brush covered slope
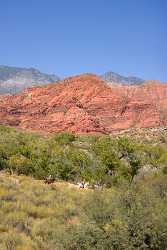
pixel 62 218
pixel 86 104
pixel 126 210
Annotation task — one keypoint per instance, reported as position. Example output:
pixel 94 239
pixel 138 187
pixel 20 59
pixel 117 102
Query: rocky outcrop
pixel 86 104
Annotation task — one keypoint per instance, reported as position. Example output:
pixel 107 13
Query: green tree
pixel 131 153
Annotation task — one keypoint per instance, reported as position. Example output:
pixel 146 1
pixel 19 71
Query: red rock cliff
pixel 86 104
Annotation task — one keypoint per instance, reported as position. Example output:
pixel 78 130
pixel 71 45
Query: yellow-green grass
pixel 30 205
pixel 36 216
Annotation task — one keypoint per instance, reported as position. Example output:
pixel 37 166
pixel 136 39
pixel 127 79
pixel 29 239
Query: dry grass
pixel 29 205
pixel 36 216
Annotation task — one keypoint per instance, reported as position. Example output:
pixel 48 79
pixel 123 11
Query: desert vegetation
pixel 38 216
pixel 105 160
pixel 129 211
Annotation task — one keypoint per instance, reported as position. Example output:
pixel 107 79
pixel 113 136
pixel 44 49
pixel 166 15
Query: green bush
pixel 99 160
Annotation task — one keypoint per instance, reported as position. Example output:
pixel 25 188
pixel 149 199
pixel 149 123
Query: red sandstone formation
pixel 86 104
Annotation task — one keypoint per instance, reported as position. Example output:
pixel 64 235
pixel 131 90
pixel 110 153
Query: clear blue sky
pixel 68 37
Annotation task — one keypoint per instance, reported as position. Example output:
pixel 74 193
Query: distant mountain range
pixel 112 77
pixel 14 79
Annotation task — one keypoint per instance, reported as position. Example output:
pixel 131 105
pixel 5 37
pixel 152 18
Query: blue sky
pixel 68 37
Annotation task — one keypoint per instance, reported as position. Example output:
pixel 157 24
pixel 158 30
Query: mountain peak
pixel 86 104
pixel 112 77
pixel 15 79
pixel 85 76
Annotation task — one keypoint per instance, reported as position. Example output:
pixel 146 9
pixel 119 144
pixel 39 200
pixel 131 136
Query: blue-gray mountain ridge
pixel 15 79
pixel 112 77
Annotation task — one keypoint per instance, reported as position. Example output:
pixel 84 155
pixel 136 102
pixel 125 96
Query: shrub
pixel 64 138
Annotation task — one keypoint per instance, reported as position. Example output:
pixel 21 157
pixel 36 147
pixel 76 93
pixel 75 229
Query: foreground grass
pixel 37 216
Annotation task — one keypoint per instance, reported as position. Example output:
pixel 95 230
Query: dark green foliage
pixel 104 161
pixel 64 138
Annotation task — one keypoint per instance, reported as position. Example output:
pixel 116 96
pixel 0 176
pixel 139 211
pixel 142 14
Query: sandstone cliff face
pixel 86 104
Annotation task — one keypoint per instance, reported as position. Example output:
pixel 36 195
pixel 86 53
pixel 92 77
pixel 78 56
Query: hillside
pixel 14 79
pixel 124 206
pixel 63 218
pixel 86 104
